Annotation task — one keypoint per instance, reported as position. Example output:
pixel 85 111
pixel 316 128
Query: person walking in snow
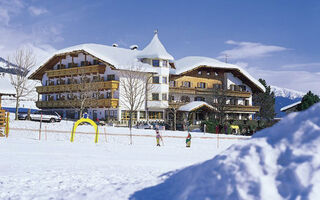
pixel 188 140
pixel 158 137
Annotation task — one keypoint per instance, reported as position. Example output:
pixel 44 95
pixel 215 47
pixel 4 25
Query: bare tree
pixel 133 90
pixel 218 100
pixel 149 86
pixel 85 92
pixel 23 60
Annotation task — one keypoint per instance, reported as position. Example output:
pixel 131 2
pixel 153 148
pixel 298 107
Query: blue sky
pixel 274 39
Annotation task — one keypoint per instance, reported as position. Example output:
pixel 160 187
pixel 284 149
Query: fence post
pixel 105 134
pixel 40 127
pixel 45 132
pixel 7 125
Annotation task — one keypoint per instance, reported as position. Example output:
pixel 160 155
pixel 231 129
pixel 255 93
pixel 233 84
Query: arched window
pixel 185 99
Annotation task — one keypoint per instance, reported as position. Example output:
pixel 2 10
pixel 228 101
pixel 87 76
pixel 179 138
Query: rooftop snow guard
pixel 281 162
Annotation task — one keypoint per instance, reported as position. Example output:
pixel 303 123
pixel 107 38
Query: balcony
pixel 228 108
pixel 241 108
pixel 93 69
pixel 103 85
pixel 207 91
pixel 92 103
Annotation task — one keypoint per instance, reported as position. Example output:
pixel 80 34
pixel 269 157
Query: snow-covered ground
pixel 55 168
pixel 281 162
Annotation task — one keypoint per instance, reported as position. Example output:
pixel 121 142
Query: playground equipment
pixel 4 118
pixel 83 120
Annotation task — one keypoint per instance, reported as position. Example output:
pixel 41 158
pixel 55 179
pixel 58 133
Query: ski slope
pixel 55 168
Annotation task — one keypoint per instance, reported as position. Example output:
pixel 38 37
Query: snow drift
pixel 281 162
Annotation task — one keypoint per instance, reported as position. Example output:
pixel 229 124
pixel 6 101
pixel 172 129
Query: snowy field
pixel 54 168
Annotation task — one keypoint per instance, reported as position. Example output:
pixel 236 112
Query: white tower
pixel 156 55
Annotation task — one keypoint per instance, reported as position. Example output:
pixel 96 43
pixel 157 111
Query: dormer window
pixel 164 63
pixel 155 63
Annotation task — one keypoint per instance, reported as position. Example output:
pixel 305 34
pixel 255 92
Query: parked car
pixel 48 116
pixel 144 126
pixel 22 116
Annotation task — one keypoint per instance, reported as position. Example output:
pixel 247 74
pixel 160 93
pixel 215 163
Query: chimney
pixel 134 47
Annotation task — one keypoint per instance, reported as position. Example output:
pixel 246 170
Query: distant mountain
pixel 287 93
pixel 4 66
pixel 285 97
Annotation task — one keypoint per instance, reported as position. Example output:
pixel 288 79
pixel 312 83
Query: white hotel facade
pixel 183 84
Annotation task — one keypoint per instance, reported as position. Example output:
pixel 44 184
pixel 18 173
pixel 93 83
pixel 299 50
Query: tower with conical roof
pixel 157 56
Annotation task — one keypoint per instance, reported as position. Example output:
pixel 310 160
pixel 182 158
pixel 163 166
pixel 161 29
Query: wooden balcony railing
pixel 105 85
pixel 93 69
pixel 93 103
pixel 207 91
pixel 228 108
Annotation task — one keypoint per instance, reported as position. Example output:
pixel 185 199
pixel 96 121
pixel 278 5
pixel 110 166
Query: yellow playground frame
pixel 88 121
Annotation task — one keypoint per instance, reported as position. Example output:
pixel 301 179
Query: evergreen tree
pixel 308 100
pixel 266 101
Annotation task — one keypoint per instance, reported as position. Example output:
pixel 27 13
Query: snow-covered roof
pixel 120 58
pixel 155 49
pixel 194 105
pixel 191 62
pixel 289 106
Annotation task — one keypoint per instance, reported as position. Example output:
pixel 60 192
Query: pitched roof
pixel 189 63
pixel 194 105
pixel 155 49
pixel 120 58
pixel 289 106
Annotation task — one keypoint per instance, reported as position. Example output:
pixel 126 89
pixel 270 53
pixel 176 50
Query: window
pixel 172 83
pixel 110 77
pixel 155 96
pixel 111 114
pixel 165 80
pixel 142 114
pixel 125 115
pixel 208 73
pixel 186 84
pixel 155 63
pixel 201 85
pixel 199 99
pixel 164 97
pixel 217 86
pixel 108 94
pixel 216 73
pixel 155 79
pixel 155 115
pixel 185 99
pixel 96 62
pixel 199 72
pixel 164 63
pixel 171 98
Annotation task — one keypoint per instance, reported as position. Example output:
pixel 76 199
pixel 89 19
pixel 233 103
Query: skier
pixel 188 140
pixel 158 137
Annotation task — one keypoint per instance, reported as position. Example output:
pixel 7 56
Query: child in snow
pixel 188 140
pixel 158 137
